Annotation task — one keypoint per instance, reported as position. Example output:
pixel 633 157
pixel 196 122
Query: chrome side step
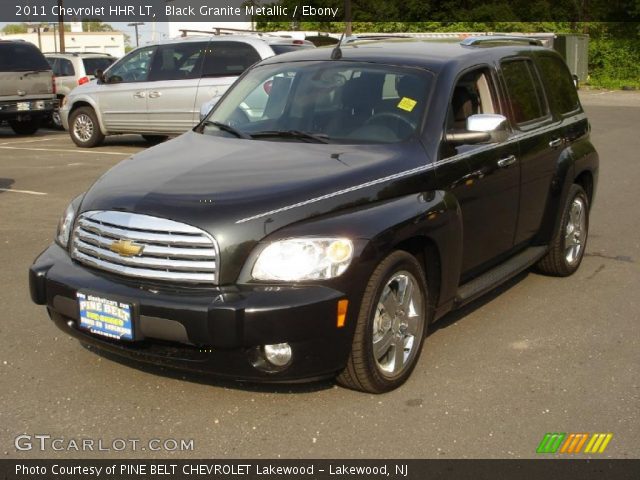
pixel 494 277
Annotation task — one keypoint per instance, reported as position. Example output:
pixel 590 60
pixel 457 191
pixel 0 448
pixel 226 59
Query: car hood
pixel 241 190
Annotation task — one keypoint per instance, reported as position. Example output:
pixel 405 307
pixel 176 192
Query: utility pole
pixel 61 25
pixel 135 25
pixel 347 18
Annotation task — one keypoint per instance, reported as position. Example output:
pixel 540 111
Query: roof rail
pixel 222 31
pixel 477 41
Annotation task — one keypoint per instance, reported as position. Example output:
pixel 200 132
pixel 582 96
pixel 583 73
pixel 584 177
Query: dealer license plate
pixel 105 317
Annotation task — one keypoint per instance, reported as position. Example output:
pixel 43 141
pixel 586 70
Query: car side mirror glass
pixel 99 74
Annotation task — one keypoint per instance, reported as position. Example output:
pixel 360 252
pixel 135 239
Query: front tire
pixel 84 128
pixel 25 127
pixel 390 328
pixel 569 243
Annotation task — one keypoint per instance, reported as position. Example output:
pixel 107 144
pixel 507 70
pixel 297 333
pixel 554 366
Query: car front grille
pixel 170 251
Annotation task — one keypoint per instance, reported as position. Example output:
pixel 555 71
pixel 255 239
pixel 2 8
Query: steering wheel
pixel 137 74
pixel 238 118
pixel 384 116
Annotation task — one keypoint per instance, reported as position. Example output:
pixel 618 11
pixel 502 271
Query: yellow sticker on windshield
pixel 407 104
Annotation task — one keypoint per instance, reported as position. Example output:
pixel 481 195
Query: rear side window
pixel 178 61
pixel 21 57
pixel 93 64
pixel 559 84
pixel 525 92
pixel 228 59
pixel 65 68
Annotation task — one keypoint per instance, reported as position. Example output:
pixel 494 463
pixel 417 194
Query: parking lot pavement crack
pixel 616 258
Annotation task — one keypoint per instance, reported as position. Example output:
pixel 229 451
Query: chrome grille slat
pixel 173 252
pixel 145 262
pixel 158 238
pixel 152 250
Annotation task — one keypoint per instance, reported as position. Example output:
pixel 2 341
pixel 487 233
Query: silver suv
pixel 74 69
pixel 157 90
pixel 27 88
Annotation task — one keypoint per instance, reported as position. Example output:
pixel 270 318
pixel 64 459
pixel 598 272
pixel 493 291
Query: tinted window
pixel 21 57
pixel 93 64
pixel 559 83
pixel 134 67
pixel 346 102
pixel 53 62
pixel 525 92
pixel 178 61
pixel 65 68
pixel 227 59
pixel 279 49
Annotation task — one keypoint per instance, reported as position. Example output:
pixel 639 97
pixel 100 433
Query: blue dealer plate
pixel 105 317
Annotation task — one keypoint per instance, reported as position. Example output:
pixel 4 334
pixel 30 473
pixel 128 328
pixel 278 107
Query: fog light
pixel 278 354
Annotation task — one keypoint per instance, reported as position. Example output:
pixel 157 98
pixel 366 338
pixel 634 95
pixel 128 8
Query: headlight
pixel 297 259
pixel 66 222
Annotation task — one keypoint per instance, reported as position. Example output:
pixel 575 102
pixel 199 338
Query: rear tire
pixel 84 128
pixel 570 241
pixel 390 328
pixel 155 139
pixel 25 127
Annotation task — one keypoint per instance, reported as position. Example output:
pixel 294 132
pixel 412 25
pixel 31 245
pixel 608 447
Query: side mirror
pixel 99 74
pixel 480 128
pixel 206 107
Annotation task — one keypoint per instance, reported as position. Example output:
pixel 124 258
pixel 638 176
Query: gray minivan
pixel 27 86
pixel 157 90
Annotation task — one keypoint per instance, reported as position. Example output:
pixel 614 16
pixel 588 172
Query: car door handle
pixel 155 94
pixel 556 142
pixel 139 94
pixel 506 161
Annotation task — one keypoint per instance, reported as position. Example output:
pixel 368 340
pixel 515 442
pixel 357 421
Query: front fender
pixel 76 101
pixel 432 219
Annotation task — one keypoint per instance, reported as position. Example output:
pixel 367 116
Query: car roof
pixel 431 54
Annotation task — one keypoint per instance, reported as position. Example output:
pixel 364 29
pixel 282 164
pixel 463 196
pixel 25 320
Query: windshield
pixel 21 57
pixel 337 102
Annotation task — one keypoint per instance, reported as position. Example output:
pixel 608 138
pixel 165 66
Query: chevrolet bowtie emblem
pixel 126 248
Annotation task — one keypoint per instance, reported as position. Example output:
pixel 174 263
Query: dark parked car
pixel 382 186
pixel 27 87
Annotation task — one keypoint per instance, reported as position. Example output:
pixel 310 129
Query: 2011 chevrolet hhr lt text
pixel 375 188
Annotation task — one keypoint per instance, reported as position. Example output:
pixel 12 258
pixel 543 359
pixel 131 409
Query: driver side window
pixel 474 93
pixel 133 68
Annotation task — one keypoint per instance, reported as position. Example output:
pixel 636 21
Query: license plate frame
pixel 106 316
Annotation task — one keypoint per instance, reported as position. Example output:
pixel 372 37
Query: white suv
pixel 157 90
pixel 73 69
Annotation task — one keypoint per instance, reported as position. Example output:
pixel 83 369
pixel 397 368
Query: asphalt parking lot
pixel 541 355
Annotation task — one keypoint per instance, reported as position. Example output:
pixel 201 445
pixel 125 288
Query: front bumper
pixel 217 330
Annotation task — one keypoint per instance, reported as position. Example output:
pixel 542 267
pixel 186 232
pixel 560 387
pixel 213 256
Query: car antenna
pixel 336 54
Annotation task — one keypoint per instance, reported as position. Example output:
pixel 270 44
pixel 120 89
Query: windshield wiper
pixel 229 129
pixel 317 138
pixel 33 72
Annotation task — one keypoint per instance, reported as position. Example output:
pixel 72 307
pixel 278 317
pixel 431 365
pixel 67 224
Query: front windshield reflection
pixel 324 102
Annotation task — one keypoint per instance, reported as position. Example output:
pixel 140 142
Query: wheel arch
pixel 85 102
